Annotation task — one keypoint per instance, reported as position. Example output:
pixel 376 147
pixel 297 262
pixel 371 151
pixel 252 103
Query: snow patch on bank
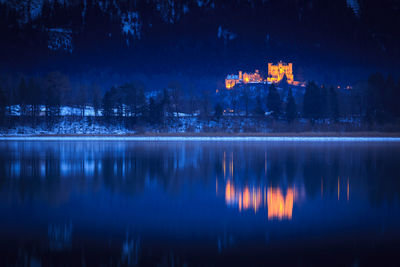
pixel 68 127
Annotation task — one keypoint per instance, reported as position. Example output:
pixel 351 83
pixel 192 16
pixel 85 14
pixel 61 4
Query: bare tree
pixel 57 89
pixel 23 97
pixel 193 103
pixel 134 98
pixel 96 99
pixel 82 98
pixel 176 96
pixel 206 105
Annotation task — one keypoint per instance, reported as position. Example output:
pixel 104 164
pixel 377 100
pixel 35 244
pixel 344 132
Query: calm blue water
pixel 199 203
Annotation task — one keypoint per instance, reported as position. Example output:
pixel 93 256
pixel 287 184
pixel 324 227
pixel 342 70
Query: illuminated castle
pixel 275 75
pixel 232 80
pixel 276 72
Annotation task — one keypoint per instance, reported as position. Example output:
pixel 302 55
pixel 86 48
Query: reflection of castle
pixel 275 75
pixel 279 206
pixel 244 198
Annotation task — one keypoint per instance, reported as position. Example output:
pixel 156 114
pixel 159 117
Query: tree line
pixel 36 100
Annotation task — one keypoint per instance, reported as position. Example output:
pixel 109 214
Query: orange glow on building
pixel 252 77
pixel 276 72
pixel 279 206
pixel 232 80
pixel 275 75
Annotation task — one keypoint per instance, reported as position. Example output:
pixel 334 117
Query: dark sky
pixel 198 42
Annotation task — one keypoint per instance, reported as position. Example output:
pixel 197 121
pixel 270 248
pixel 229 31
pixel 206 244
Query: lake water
pixel 199 203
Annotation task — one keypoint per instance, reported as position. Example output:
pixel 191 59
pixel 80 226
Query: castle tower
pixel 269 69
pixel 276 72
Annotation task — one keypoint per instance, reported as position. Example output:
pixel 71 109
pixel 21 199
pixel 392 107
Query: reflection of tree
pixel 130 251
pixel 24 173
pixel 290 167
pixel 312 173
pixel 167 167
pixel 60 236
pixel 275 170
pixel 382 176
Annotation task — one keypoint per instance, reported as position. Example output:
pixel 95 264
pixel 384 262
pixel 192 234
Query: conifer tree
pixel 165 103
pixel 259 111
pixel 291 112
pixel 36 95
pixel 107 106
pixel 322 100
pixel 134 98
pixel 245 98
pixel 218 111
pixel 284 85
pixel 311 102
pixel 22 96
pixel 274 101
pixel 3 106
pixel 333 105
pixel 390 101
pixel 82 98
pixel 374 97
pixel 396 97
pixel 56 90
pixel 96 99
pixel 154 111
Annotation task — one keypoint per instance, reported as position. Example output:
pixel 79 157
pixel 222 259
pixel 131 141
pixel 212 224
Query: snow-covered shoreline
pixel 204 138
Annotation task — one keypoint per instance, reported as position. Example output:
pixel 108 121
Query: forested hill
pixel 201 40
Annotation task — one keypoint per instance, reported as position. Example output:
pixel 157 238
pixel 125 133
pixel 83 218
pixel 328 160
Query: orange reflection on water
pixel 279 206
pixel 245 199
